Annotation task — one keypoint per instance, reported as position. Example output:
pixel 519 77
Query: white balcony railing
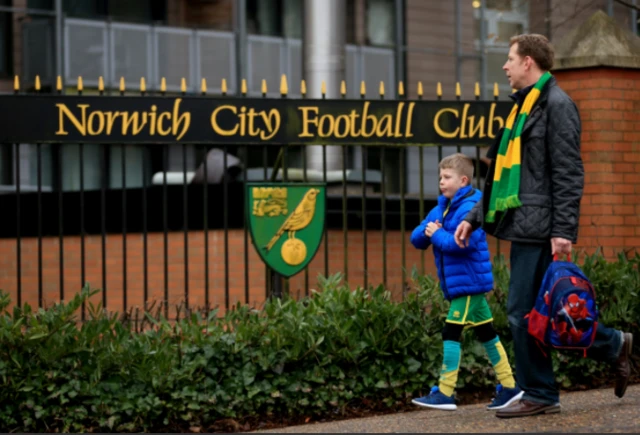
pixel 113 50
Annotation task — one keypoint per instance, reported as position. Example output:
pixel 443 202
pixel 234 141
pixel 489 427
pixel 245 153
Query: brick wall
pixel 196 267
pixel 609 104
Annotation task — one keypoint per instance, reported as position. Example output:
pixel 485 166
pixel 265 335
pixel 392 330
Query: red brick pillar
pixel 609 103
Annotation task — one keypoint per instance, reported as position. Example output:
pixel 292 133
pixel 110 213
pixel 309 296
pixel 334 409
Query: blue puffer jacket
pixel 462 271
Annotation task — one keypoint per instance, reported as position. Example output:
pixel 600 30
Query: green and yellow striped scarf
pixel 506 180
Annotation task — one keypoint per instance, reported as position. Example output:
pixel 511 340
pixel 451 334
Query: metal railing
pixel 167 238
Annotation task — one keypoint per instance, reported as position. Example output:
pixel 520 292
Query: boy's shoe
pixel 436 399
pixel 505 397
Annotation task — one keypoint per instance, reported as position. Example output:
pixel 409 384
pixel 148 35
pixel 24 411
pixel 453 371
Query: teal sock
pixel 450 366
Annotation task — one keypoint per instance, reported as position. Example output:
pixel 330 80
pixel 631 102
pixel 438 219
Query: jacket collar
pixel 462 194
pixel 519 96
pixel 535 110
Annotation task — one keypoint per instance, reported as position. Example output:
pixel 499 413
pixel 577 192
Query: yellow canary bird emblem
pixel 301 217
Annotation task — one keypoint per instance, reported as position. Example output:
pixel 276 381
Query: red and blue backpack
pixel 565 315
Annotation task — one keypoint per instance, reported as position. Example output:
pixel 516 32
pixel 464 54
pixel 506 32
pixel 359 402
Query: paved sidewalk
pixel 585 411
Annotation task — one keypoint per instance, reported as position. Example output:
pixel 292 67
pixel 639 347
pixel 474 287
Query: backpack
pixel 565 315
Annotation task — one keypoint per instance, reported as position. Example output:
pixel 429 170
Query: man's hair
pixel 460 163
pixel 537 47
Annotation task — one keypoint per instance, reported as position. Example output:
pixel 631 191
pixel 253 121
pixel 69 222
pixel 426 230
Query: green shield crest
pixel 286 221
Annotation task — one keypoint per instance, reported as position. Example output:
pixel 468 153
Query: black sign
pixel 101 119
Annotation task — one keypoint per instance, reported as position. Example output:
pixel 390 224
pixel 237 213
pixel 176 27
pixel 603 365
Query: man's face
pixel 516 68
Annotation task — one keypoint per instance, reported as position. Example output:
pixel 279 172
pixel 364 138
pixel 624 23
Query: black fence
pixel 77 180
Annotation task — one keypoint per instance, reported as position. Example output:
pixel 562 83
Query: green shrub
pixel 314 357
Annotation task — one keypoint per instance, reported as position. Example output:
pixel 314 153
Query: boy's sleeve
pixel 418 238
pixel 445 241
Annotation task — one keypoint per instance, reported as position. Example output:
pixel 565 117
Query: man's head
pixel 530 56
pixel 456 171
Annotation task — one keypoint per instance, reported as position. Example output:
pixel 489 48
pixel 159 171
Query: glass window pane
pixel 477 29
pixel 495 74
pixel 501 5
pixel 506 30
pixel 380 22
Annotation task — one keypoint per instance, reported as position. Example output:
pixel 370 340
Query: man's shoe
pixel 437 400
pixel 505 397
pixel 623 367
pixel 526 408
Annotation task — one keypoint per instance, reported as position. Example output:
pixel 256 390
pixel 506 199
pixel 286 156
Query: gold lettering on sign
pixel 245 123
pixel 469 127
pixel 269 201
pixel 355 125
pixel 99 122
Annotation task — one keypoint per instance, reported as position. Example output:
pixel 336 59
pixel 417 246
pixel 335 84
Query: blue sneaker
pixel 436 400
pixel 505 397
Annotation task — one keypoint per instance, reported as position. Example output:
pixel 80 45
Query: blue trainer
pixel 505 397
pixel 436 399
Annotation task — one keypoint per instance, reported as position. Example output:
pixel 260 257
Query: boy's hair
pixel 537 47
pixel 460 163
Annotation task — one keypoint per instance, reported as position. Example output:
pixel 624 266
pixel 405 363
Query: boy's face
pixel 451 181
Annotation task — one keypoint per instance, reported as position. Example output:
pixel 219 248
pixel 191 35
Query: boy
pixel 465 276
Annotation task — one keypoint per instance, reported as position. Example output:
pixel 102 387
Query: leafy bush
pixel 314 357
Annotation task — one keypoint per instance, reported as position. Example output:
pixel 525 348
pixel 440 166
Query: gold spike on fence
pixel 183 85
pixel 303 88
pixel 223 87
pixel 80 85
pixel 323 88
pixel 382 89
pixel 496 91
pixel 401 89
pixel 263 88
pixel 59 84
pixel 458 91
pixel 243 87
pixel 477 90
pixel 439 90
pixel 122 85
pixel 343 88
pixel 284 86
pixel 37 84
pixel 363 89
pixel 203 86
pixel 163 85
pixel 420 90
pixel 100 84
pixel 143 85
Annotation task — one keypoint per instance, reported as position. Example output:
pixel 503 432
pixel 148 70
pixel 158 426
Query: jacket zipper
pixel 444 282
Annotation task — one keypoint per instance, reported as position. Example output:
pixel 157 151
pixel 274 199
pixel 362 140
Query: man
pixel 533 201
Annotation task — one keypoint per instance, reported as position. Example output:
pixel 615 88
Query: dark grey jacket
pixel 552 175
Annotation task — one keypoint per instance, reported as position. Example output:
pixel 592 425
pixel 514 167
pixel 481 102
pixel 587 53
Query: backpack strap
pixel 555 257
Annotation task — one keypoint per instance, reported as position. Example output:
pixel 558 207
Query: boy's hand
pixel 432 227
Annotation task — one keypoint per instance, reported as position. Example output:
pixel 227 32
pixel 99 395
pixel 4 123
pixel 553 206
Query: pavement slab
pixel 582 412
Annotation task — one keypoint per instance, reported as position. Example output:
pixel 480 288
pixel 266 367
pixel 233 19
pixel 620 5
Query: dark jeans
pixel 534 370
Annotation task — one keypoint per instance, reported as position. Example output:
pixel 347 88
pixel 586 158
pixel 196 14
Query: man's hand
pixel 463 233
pixel 432 227
pixel 560 246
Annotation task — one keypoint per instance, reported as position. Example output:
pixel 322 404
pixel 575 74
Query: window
pixel 141 11
pixel 380 19
pixel 6 41
pixel 503 19
pixel 275 18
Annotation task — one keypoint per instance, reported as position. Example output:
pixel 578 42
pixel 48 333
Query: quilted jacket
pixel 461 272
pixel 552 175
